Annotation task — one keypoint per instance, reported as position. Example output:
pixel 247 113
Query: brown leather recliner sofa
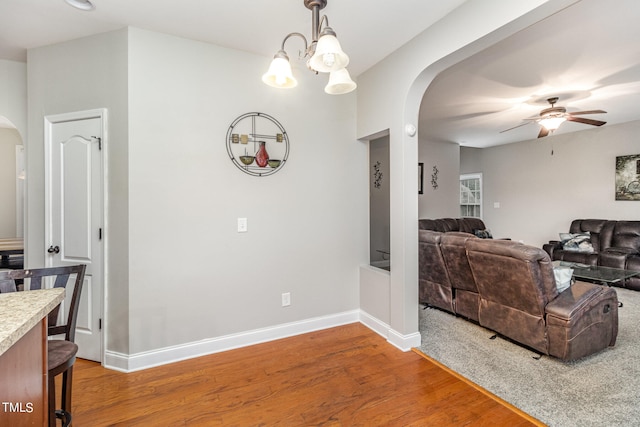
pixel 446 225
pixel 509 287
pixel 613 244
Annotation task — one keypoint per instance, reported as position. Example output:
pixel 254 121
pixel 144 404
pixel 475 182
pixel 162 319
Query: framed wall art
pixel 257 144
pixel 628 177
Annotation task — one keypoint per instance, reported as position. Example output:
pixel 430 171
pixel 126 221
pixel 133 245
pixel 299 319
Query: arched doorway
pixel 12 195
pixel 403 287
pixel 12 180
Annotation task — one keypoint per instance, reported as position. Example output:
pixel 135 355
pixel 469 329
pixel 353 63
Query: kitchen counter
pixel 21 311
pixel 23 355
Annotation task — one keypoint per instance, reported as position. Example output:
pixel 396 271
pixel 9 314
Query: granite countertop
pixel 21 311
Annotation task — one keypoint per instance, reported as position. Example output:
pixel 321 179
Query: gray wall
pixel 80 75
pixel 178 271
pixel 443 201
pixel 13 94
pixel 541 193
pixel 192 275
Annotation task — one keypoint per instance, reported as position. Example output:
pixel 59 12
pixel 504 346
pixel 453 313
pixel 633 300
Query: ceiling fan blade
pixel 577 113
pixel 543 132
pixel 515 127
pixel 585 121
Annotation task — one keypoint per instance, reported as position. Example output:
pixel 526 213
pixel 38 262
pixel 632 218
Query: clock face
pixel 257 144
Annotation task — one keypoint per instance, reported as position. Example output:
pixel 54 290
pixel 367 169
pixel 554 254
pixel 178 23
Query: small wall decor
pixel 377 175
pixel 257 144
pixel 628 177
pixel 420 177
pixel 434 178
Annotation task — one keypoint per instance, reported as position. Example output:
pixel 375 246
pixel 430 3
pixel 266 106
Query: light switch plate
pixel 242 225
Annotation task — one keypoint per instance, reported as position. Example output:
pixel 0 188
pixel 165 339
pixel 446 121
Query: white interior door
pixel 74 200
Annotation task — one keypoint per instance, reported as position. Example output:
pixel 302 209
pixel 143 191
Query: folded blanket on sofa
pixel 576 242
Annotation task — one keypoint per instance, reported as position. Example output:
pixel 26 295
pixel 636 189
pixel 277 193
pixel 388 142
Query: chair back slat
pixel 36 283
pixel 61 281
pixel 7 285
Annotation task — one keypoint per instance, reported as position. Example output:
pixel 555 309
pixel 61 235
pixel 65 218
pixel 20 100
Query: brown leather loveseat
pixel 610 244
pixel 509 287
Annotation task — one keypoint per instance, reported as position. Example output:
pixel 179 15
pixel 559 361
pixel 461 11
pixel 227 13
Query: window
pixel 471 195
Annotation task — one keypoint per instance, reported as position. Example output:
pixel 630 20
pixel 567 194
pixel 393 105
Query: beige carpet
pixel 599 390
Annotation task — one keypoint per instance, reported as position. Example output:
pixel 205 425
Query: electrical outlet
pixel 286 299
pixel 242 225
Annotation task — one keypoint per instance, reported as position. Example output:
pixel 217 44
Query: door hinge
pixel 100 233
pixel 99 142
pixel 100 324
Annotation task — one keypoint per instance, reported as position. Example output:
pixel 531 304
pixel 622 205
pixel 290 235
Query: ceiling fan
pixel 551 118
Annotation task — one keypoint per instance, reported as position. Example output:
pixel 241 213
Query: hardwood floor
pixel 344 376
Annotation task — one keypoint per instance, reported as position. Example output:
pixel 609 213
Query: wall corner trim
pixel 402 342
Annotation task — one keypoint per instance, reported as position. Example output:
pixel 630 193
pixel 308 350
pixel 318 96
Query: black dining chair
pixel 61 351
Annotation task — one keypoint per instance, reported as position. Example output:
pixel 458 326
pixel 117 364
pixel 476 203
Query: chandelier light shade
pixel 324 53
pixel 329 55
pixel 279 74
pixel 339 83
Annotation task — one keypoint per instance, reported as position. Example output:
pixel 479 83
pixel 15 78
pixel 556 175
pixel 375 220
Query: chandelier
pixel 324 53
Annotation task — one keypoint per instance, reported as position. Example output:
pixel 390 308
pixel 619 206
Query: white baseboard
pixel 135 362
pixel 403 342
pixel 373 323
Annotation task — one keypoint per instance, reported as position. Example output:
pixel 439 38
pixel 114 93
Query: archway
pixel 403 293
pixel 12 180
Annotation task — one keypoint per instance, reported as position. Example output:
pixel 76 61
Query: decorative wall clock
pixel 257 144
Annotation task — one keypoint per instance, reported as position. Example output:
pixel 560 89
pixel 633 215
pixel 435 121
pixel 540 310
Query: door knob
pixel 53 249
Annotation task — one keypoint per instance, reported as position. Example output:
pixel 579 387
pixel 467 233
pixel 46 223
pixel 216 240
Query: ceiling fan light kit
pixel 324 52
pixel 551 118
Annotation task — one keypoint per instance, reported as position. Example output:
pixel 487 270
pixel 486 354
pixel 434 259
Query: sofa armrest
pixel 578 298
pixel 552 246
pixel 582 319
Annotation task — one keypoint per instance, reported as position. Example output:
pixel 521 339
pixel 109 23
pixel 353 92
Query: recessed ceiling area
pixel 587 55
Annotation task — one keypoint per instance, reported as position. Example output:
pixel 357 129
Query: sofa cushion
pixel 515 282
pixel 626 234
pixel 449 224
pixel 594 227
pixel 434 284
pixel 465 291
pixel 428 224
pixel 469 224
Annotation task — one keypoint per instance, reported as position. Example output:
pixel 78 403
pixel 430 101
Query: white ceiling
pixel 368 31
pixel 588 55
